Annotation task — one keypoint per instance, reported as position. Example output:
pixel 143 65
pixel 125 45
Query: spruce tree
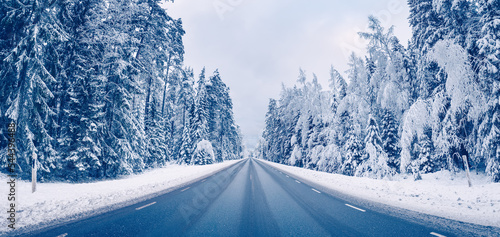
pixel 426 24
pixel 32 78
pixel 390 139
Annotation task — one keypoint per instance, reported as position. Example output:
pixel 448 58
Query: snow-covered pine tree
pixel 390 139
pixel 489 67
pixel 426 165
pixel 175 50
pixel 214 89
pixel 421 149
pixel 302 78
pixel 492 147
pixel 426 24
pixel 376 163
pixel 230 140
pixel 203 154
pixel 338 87
pixel 456 15
pixel 81 96
pixel 271 132
pixel 183 102
pixel 488 45
pixel 186 147
pixel 353 153
pixel 32 78
pixel 157 146
pixel 159 48
pixel 286 120
pixel 200 121
pixel 121 134
pixel 307 139
pixel 185 96
pixel 10 33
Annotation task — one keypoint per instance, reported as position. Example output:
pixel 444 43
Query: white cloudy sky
pixel 259 44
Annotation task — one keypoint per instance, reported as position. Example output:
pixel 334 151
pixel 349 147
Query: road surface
pixel 247 199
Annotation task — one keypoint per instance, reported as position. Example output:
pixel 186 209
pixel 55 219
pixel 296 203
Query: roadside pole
pixel 33 172
pixel 466 163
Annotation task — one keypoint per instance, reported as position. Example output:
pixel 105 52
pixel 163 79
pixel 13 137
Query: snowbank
pixel 439 194
pixel 54 202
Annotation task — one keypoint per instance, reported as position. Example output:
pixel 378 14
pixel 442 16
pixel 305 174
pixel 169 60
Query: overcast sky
pixel 259 44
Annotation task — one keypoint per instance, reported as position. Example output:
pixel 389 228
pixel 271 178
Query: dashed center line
pixel 185 189
pixel 316 190
pixel 62 235
pixel 297 181
pixel 139 208
pixel 359 209
pixel 438 235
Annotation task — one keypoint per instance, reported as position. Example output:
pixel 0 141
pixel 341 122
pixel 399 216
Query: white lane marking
pixel 288 176
pixel 139 208
pixel 62 235
pixel 438 235
pixel 316 190
pixel 297 181
pixel 359 209
pixel 204 180
pixel 185 189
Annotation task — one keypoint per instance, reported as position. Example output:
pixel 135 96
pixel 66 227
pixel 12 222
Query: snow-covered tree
pixel 29 74
pixel 200 121
pixel 338 87
pixel 390 139
pixel 414 109
pixel 492 147
pixel 353 154
pixel 376 163
pixel 489 55
pixel 97 89
pixel 203 154
pixel 186 147
pixel 426 24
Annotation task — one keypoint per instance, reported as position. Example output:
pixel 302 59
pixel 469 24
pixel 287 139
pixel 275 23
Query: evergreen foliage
pixel 98 90
pixel 414 110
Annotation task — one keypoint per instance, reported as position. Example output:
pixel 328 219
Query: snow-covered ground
pixel 439 194
pixel 54 202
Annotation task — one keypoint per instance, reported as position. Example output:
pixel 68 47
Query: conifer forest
pixel 98 89
pixel 411 110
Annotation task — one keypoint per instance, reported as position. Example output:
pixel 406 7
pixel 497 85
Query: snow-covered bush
pixel 203 154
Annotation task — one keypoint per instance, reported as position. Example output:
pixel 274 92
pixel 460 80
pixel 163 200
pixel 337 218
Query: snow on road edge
pixel 56 201
pixel 439 194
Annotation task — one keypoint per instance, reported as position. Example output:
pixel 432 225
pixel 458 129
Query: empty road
pixel 247 199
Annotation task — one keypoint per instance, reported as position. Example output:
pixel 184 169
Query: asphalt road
pixel 247 199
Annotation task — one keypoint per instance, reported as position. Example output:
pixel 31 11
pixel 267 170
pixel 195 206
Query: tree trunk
pixel 165 89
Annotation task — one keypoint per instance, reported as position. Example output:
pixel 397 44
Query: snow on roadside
pixel 56 201
pixel 439 194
